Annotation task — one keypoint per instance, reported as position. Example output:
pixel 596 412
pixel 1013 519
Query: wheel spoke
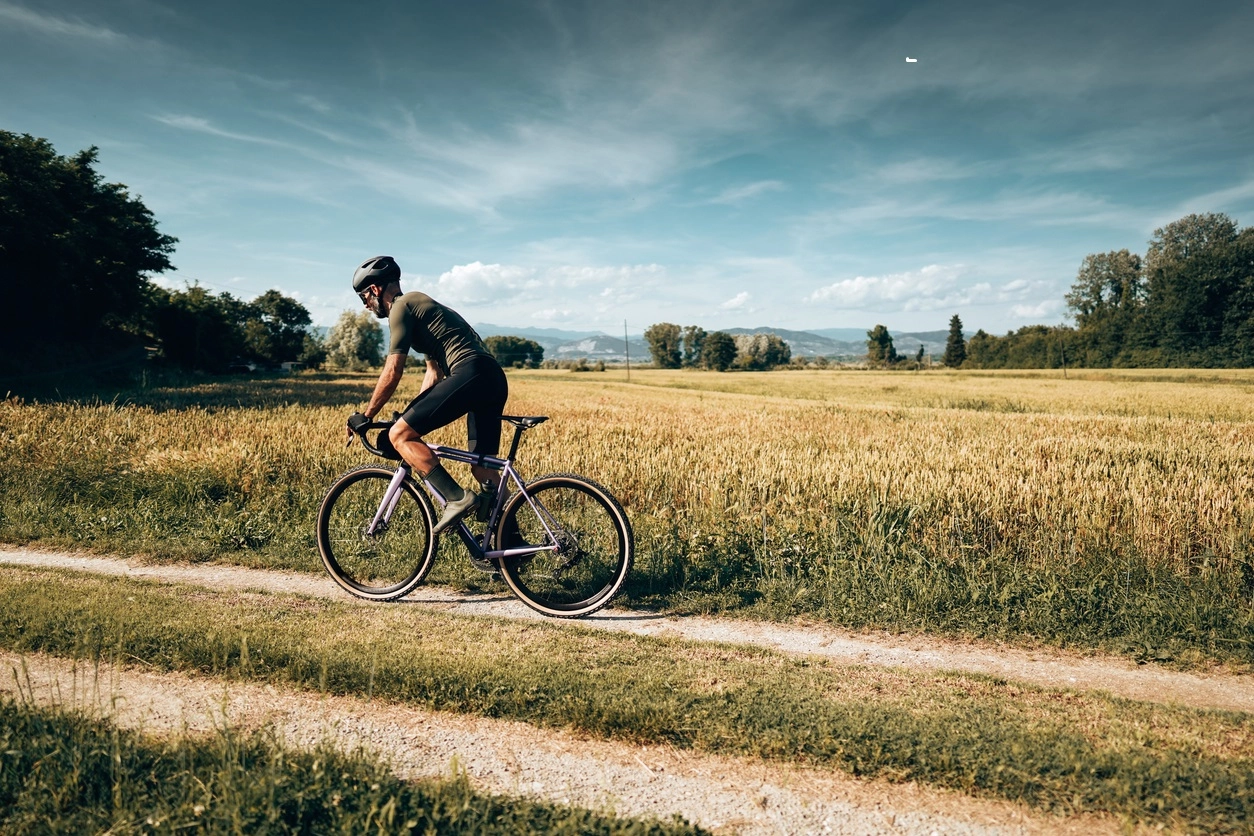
pixel 387 563
pixel 593 542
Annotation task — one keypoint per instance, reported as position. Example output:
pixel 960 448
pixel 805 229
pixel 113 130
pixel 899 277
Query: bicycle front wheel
pixel 397 556
pixel 593 541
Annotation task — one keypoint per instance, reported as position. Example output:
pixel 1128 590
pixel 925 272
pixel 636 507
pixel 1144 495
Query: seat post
pixel 513 448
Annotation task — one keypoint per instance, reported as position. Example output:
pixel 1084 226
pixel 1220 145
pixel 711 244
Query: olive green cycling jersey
pixel 419 322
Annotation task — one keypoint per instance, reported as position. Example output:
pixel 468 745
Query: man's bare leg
pixel 412 448
pixel 426 464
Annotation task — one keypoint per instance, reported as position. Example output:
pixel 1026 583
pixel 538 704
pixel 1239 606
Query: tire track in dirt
pixel 1049 668
pixel 729 795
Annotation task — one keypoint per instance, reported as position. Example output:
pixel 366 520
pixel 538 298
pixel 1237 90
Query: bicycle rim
pixel 594 546
pixel 394 559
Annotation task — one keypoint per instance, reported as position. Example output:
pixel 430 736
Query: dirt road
pixel 734 795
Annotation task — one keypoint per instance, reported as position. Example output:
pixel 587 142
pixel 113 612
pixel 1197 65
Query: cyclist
pixel 462 378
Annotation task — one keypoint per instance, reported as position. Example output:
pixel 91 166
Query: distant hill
pixel 810 344
pixel 600 347
pixel 487 329
pixel 844 335
pixel 848 344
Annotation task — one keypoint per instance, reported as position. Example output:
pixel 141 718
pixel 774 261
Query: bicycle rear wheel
pixel 593 538
pixel 394 559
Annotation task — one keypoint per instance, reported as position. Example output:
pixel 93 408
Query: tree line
pixel 1188 302
pixel 77 257
pixel 674 346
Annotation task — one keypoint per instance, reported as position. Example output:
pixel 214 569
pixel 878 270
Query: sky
pixel 579 165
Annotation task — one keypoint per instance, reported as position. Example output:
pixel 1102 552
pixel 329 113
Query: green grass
pixel 62 771
pixel 1053 750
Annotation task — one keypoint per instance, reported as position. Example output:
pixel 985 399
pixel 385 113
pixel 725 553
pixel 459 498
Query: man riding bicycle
pixel 462 378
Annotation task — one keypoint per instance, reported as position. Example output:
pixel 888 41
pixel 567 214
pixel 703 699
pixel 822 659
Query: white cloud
pixel 1040 310
pixel 736 303
pixel 734 195
pixel 932 286
pixel 198 124
pixel 479 283
pixel 60 27
pixel 553 315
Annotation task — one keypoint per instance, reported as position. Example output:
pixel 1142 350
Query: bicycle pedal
pixel 484 565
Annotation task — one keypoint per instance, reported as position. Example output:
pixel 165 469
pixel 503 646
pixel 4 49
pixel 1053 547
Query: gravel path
pixel 1121 677
pixel 729 795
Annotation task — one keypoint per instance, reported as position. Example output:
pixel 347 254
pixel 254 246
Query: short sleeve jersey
pixel 419 322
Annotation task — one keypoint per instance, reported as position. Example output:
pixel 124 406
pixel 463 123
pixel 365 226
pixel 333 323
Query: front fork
pixel 390 498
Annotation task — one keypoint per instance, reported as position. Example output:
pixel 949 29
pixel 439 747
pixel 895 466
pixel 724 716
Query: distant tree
pixel 718 351
pixel 955 345
pixel 1190 282
pixel 87 241
pixel 759 352
pixel 665 344
pixel 1107 299
pixel 199 330
pixel 918 357
pixel 196 329
pixel 355 342
pixel 313 352
pixel 879 346
pixel 693 341
pixel 515 351
pixel 275 328
pixel 1238 335
pixel 985 351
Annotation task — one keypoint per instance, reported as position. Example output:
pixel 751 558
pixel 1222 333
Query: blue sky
pixel 575 165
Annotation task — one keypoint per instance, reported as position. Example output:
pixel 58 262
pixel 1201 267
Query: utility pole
pixel 627 350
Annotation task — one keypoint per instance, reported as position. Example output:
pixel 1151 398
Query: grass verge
pixel 1053 750
pixel 63 771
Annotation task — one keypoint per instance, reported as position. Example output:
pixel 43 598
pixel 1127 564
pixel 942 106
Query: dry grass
pixel 1111 508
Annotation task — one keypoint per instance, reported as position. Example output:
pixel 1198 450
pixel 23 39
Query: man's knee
pixel 402 433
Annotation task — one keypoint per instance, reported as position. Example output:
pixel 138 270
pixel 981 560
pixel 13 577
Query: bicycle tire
pixel 388 564
pixel 596 543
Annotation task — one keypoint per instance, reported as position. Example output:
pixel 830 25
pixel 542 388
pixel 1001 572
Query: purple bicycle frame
pixel 479 551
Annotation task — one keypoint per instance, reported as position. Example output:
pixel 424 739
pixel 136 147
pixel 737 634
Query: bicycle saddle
pixel 524 422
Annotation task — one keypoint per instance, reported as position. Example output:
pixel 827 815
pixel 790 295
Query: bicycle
pixel 561 542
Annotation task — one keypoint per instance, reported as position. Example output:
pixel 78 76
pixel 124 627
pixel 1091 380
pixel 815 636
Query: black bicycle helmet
pixel 381 270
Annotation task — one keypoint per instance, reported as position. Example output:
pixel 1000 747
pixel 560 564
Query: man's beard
pixel 375 306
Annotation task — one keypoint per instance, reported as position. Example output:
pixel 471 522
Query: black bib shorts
pixel 475 387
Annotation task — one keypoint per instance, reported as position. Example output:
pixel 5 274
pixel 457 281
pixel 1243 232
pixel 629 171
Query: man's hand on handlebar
pixel 356 422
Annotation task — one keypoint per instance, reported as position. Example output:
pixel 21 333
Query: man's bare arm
pixel 393 368
pixel 432 376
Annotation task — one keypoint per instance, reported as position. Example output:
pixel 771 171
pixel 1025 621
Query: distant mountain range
pixel 834 343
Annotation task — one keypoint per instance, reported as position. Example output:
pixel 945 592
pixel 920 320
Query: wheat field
pixel 1109 508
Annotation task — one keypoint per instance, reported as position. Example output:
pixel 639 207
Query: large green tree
pixel 67 235
pixel 355 342
pixel 665 344
pixel 196 329
pixel 761 352
pixel 955 345
pixel 275 328
pixel 1106 300
pixel 694 340
pixel 879 347
pixel 718 351
pixel 1189 287
pixel 515 351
